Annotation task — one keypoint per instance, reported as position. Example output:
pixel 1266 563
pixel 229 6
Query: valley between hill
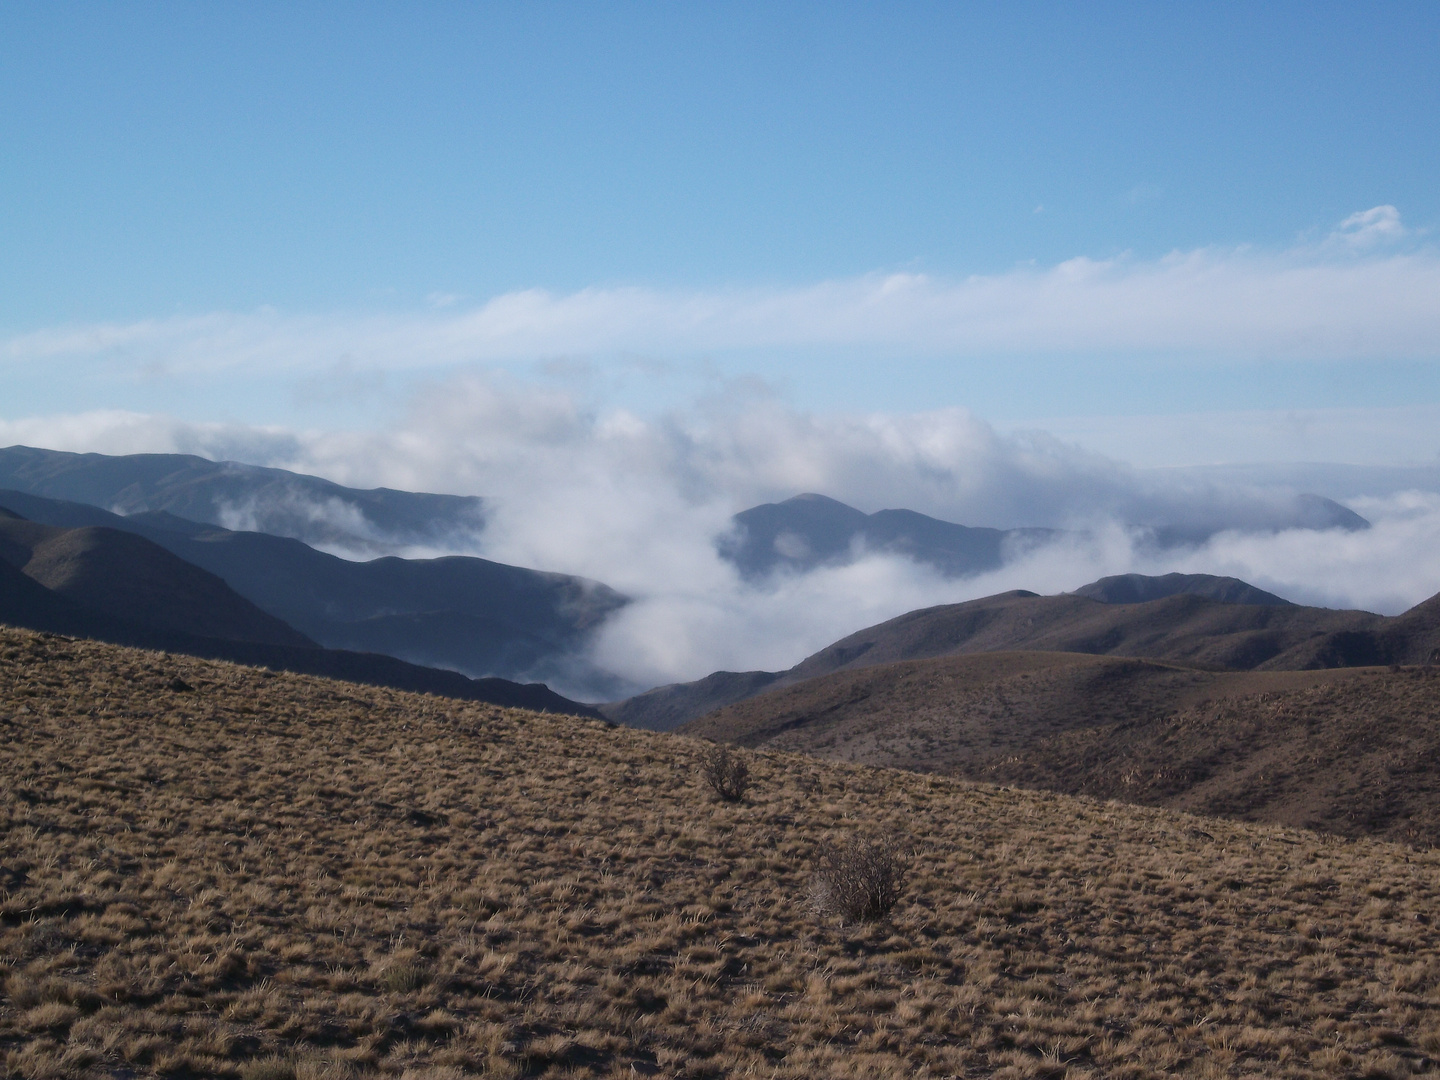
pixel 213 870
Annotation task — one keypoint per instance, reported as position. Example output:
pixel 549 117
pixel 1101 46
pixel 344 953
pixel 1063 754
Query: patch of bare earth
pixel 208 871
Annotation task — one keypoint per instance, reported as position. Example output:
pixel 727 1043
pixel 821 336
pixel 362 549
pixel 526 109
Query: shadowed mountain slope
pixel 1184 626
pixel 25 602
pixel 118 587
pixel 472 615
pixel 1352 751
pixel 124 576
pixel 245 496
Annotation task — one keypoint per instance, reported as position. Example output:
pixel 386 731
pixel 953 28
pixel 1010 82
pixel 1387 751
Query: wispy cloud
pixel 1354 295
pixel 1371 228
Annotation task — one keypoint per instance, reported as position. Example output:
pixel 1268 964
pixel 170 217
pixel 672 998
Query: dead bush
pixel 861 879
pixel 725 772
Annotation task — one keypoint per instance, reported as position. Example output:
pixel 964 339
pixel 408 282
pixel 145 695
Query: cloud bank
pixel 639 500
pixel 639 503
pixel 1364 291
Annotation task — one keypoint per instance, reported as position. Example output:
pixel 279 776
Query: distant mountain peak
pixel 1141 588
pixel 811 530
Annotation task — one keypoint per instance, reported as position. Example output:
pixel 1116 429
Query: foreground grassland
pixel 208 871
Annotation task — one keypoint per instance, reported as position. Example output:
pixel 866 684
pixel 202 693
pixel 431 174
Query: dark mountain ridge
pixel 812 530
pixel 1186 625
pixel 227 493
pixel 475 616
pixel 118 587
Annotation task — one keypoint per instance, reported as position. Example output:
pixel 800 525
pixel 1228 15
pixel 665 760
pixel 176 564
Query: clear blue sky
pixel 163 160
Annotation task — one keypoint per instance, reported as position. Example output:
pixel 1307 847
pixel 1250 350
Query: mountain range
pixel 809 531
pixel 1199 620
pixel 116 586
pixel 486 619
pixel 470 615
pixel 1184 690
pixel 245 497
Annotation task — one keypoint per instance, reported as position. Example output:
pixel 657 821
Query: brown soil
pixel 206 870
pixel 1353 751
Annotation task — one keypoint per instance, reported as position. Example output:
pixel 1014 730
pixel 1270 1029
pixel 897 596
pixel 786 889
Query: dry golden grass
pixel 283 877
pixel 1350 750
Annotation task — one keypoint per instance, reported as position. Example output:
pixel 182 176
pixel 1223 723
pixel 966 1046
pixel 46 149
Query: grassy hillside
pixel 207 870
pixel 1194 626
pixel 1352 751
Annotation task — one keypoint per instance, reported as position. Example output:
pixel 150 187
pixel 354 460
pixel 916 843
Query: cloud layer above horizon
pixel 639 504
pixel 1366 291
pixel 637 497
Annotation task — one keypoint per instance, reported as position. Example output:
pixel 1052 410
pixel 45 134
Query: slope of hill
pixel 291 878
pixel 1182 626
pixel 474 616
pixel 25 602
pixel 1253 631
pixel 665 708
pixel 1346 750
pixel 247 496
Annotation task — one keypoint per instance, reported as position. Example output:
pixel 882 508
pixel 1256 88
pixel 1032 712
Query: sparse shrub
pixel 861 879
pixel 725 772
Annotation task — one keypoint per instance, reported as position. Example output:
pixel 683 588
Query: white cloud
pixel 1328 300
pixel 1360 436
pixel 638 503
pixel 1369 228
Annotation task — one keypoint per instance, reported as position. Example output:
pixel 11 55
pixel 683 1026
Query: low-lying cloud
pixel 638 500
pixel 639 503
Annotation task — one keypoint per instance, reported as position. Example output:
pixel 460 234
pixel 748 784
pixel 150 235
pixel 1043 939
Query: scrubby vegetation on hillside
pixel 1353 751
pixel 206 870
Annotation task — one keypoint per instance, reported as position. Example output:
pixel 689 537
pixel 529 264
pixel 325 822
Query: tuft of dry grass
pixel 274 875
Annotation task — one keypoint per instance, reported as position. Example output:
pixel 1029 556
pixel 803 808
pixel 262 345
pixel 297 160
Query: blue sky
pixel 214 212
pixel 625 269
